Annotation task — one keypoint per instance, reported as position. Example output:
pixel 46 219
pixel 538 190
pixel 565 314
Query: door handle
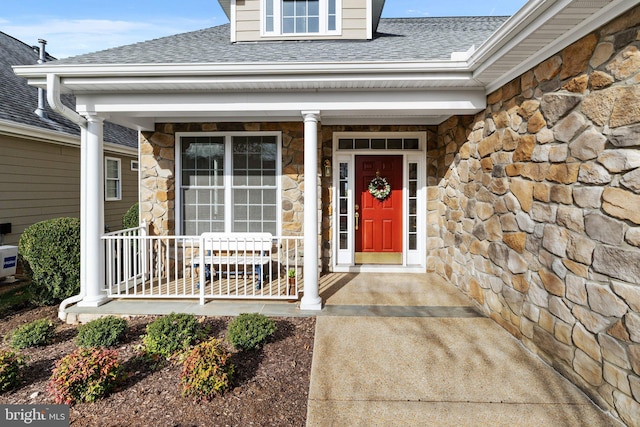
pixel 357 216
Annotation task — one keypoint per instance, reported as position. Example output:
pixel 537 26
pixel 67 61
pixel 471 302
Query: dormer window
pixel 290 17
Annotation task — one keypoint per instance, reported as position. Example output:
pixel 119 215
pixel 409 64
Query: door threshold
pixel 378 258
pixel 370 268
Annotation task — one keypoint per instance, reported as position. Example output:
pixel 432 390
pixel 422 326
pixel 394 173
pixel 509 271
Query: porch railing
pixel 155 267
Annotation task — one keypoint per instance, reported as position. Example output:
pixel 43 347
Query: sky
pixel 74 27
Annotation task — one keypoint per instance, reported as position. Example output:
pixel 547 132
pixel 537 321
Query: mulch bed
pixel 270 386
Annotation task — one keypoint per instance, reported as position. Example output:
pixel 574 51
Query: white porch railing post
pixel 202 268
pixel 311 299
pixel 92 249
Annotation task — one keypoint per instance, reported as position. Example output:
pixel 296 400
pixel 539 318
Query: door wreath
pixel 379 187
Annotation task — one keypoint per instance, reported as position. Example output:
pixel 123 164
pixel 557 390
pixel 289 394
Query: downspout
pixel 53 97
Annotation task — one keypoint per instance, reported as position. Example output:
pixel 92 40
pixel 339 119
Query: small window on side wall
pixel 134 165
pixel 112 179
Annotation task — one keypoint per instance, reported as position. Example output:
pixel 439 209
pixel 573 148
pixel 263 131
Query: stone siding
pixel 158 184
pixel 534 211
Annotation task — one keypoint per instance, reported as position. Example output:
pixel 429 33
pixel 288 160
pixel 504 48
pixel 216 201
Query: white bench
pixel 234 253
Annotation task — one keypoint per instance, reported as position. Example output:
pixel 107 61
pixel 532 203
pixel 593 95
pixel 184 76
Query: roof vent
pixel 40 111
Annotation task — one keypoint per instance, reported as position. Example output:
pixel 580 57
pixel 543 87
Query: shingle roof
pixel 397 39
pixel 18 100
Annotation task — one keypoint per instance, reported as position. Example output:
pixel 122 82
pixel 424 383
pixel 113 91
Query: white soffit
pixel 549 28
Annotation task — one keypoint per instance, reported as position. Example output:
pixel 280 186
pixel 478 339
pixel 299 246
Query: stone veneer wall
pixel 157 163
pixel 534 211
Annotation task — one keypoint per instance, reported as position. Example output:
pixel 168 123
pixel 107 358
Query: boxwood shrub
pixel 250 331
pixel 11 365
pixel 103 332
pixel 51 250
pixel 169 334
pixel 35 334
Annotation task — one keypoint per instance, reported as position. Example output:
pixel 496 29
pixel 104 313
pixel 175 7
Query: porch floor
pixel 343 294
pixel 227 287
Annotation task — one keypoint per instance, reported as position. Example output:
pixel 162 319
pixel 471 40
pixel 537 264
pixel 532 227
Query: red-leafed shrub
pixel 207 371
pixel 85 375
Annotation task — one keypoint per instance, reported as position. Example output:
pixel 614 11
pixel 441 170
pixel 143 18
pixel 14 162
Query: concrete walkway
pixel 410 350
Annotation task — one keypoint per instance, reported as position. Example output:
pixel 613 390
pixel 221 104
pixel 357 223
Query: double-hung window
pixel 282 17
pixel 229 182
pixel 112 179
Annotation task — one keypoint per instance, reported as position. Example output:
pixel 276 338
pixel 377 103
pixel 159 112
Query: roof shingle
pixel 397 39
pixel 18 100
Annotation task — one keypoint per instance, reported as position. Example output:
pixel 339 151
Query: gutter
pixel 53 97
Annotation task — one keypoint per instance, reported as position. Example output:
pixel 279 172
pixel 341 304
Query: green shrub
pixel 85 375
pixel 103 332
pixel 10 366
pixel 52 250
pixel 168 334
pixel 207 371
pixel 131 218
pixel 250 331
pixel 37 333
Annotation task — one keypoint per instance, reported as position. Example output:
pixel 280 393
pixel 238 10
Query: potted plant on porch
pixel 291 274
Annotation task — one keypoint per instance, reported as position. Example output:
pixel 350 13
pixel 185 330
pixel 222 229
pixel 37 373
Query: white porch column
pixel 311 299
pixel 92 214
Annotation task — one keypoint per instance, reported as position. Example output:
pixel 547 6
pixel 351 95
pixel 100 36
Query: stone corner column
pixel 311 298
pixel 92 214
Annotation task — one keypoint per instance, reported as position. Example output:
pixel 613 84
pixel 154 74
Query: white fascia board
pixel 79 79
pixel 237 83
pixel 232 20
pixel 150 105
pixel 34 133
pixel 35 73
pixel 369 19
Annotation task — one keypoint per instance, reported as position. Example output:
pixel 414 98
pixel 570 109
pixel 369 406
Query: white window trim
pixel 135 165
pixel 119 179
pixel 228 179
pixel 277 24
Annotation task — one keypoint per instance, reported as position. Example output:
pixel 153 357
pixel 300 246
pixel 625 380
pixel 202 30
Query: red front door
pixel 378 222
